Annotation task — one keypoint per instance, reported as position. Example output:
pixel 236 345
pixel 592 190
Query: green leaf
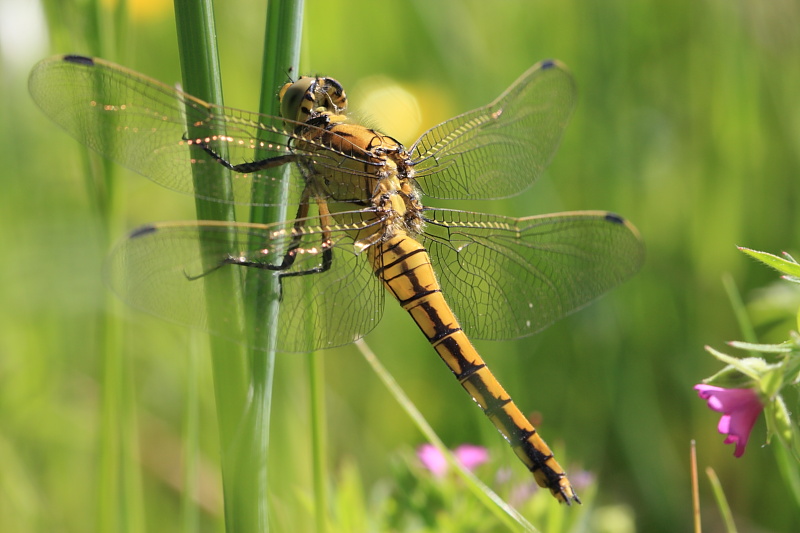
pixel 771 382
pixel 753 367
pixel 730 378
pixel 789 267
pixel 784 347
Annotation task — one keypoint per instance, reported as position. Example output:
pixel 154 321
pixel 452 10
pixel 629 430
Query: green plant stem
pixel 191 438
pixel 318 441
pixel 787 463
pixel 243 418
pixel 739 309
pixel 120 504
pixel 281 55
pixel 722 501
pixel 244 510
pixel 120 501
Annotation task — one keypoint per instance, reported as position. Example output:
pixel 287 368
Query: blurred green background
pixel 688 124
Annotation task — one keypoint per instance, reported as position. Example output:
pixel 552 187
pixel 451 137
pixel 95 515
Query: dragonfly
pixel 361 228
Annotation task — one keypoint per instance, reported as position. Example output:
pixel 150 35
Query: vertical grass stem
pixel 244 509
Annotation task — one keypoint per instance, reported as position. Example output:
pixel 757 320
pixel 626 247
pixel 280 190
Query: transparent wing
pixel 142 124
pixel 510 277
pixel 498 150
pixel 162 269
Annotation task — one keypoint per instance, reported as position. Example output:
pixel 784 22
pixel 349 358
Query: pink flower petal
pixel 740 409
pixel 471 456
pixel 724 425
pixel 432 459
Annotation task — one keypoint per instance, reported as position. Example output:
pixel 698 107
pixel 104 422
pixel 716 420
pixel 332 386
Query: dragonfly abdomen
pixel 404 266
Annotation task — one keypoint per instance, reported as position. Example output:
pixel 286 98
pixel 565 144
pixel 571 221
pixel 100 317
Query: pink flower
pixel 469 455
pixel 740 409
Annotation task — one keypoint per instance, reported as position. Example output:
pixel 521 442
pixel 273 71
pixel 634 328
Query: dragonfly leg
pixel 291 253
pixel 327 261
pixel 286 263
pixel 327 251
pixel 243 168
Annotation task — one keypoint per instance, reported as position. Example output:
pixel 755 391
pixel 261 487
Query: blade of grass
pixel 191 439
pixel 739 309
pixel 120 505
pixel 281 58
pixel 120 499
pixel 788 468
pixel 244 429
pixel 283 28
pixel 201 77
pixel 504 512
pixel 318 441
pixel 722 501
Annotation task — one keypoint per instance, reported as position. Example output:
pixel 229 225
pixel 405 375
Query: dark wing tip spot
pixel 548 63
pixel 615 218
pixel 144 230
pixel 81 60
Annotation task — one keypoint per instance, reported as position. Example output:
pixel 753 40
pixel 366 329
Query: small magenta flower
pixel 432 459
pixel 469 455
pixel 740 409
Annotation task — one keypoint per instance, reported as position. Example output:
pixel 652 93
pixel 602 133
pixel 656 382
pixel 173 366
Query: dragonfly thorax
pixel 365 167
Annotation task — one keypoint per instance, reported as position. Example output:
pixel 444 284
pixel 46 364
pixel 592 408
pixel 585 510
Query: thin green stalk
pixel 281 55
pixel 739 309
pixel 787 466
pixel 316 373
pixel 244 430
pixel 201 78
pixel 494 503
pixel 722 501
pixel 120 504
pixel 191 439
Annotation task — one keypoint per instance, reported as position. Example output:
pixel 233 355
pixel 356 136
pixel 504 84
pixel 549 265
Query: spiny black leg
pixel 219 265
pixel 244 168
pixel 286 263
pixel 327 262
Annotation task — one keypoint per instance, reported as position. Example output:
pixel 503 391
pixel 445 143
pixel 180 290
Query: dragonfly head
pixel 310 97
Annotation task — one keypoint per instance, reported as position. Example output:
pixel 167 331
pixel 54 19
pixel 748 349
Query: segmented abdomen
pixel 405 268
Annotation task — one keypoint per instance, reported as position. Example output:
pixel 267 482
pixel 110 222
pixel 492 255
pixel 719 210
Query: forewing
pixel 507 278
pixel 141 124
pixel 501 149
pixel 163 268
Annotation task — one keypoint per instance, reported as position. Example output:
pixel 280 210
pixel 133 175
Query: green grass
pixel 688 124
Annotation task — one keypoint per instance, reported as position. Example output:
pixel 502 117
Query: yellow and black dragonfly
pixel 360 220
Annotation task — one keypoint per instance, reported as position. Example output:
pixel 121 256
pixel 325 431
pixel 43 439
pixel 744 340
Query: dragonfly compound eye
pixel 297 99
pixel 310 97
